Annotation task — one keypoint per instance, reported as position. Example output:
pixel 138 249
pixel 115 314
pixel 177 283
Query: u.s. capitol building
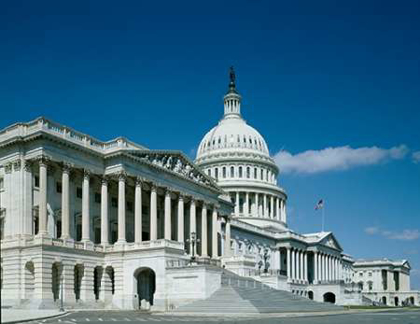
pixel 117 225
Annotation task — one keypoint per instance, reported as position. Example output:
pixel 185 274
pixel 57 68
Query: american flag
pixel 320 204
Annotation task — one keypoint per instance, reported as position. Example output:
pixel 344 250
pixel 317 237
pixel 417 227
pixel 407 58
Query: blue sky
pixel 334 88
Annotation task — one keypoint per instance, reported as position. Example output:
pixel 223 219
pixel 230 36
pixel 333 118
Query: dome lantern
pixel 232 99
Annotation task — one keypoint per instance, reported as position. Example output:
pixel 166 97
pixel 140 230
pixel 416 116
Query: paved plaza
pixel 94 317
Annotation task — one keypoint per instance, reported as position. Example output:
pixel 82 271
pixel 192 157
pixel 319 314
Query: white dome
pixel 232 132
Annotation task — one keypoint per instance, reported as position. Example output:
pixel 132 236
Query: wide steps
pixel 246 295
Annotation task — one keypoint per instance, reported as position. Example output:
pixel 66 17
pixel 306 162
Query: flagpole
pixel 323 216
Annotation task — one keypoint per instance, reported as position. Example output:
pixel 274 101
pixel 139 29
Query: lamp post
pixel 193 240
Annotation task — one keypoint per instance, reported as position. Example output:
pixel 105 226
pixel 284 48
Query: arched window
pixel 232 172
pixel 224 172
pixel 262 174
pixel 209 172
pixel 216 173
pixel 255 173
pixel 248 172
pixel 240 172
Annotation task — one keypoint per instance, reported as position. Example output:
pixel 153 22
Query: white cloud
pixel 371 230
pixel 336 158
pixel 416 157
pixel 405 235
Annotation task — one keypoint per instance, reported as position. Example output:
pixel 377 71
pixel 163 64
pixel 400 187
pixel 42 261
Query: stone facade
pixel 99 223
pixel 263 246
pixel 116 225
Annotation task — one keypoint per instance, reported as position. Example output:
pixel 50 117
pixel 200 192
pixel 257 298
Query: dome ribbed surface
pixel 232 133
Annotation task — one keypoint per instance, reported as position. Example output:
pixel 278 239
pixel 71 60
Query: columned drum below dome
pixel 237 157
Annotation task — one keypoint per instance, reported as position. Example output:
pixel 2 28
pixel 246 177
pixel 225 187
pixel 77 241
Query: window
pixel 255 173
pixel 79 192
pixel 248 172
pixel 216 173
pixel 209 172
pixel 36 184
pixel 370 274
pixel 361 274
pixel 1 183
pixel 240 172
pixel 232 172
pixel 97 197
pixel 224 172
pixel 114 202
pixel 262 174
pixel 58 187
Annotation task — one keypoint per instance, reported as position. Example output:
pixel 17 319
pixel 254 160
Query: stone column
pixel 293 264
pixel 193 222
pixel 204 250
pixel 338 269
pixel 43 217
pixel 104 212
pixel 121 208
pixel 322 267
pixel 301 265
pixel 168 224
pixel 214 249
pixel 138 212
pixel 265 206
pixel 278 209
pixel 257 206
pixel 288 264
pixel 181 219
pixel 86 207
pixel 227 239
pixel 272 207
pixel 280 265
pixel 153 213
pixel 315 267
pixel 246 205
pixel 305 261
pixel 65 203
pixel 237 209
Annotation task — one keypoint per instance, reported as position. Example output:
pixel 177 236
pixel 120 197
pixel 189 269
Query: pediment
pixel 178 163
pixel 331 242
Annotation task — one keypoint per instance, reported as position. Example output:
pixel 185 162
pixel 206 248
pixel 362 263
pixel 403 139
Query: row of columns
pixel 297 264
pixel 270 207
pixel 326 266
pixel 122 177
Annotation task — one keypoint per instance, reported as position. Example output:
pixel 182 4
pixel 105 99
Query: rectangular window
pixel 79 192
pixel 58 187
pixel 36 182
pixel 114 202
pixel 97 197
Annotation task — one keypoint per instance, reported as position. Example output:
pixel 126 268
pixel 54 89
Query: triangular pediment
pixel 331 242
pixel 177 163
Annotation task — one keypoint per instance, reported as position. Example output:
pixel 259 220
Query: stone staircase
pixel 241 295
